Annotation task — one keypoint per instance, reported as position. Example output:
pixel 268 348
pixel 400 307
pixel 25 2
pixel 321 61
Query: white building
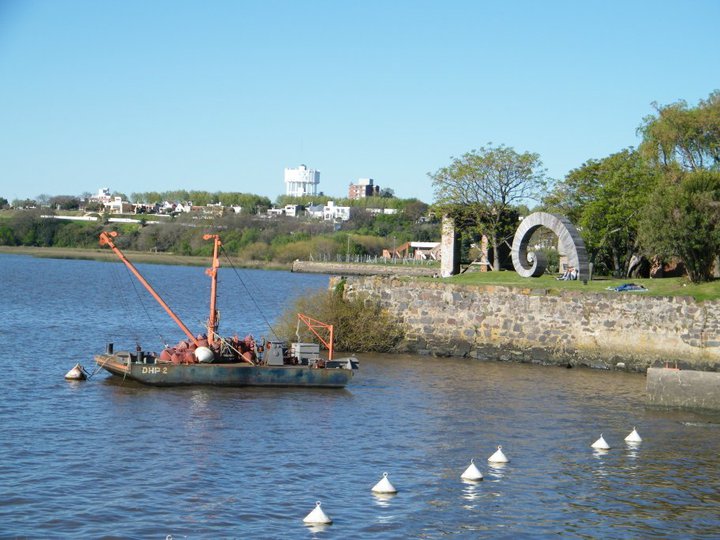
pixel 301 181
pixel 335 213
pixel 102 196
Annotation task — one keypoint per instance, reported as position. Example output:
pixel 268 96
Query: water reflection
pixel 317 529
pixel 497 471
pixel 471 492
pixel 383 499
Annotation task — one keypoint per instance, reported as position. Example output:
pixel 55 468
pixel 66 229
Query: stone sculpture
pixel 533 264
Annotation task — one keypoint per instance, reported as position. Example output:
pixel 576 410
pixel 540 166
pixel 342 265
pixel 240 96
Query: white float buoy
pixel 76 374
pixel 498 457
pixel 384 486
pixel 317 516
pixel 600 444
pixel 204 354
pixel 634 436
pixel 472 473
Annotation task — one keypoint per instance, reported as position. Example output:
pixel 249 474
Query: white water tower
pixel 301 181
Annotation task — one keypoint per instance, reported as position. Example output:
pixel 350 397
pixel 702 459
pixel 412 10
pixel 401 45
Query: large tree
pixel 683 220
pixel 489 182
pixel 605 198
pixel 682 137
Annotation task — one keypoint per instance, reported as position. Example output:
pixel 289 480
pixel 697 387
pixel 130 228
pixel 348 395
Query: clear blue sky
pixel 219 95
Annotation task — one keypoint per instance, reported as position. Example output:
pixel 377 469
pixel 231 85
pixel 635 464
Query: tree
pixel 683 220
pixel 606 198
pixel 415 209
pixel 682 137
pixel 685 143
pixel 43 199
pixel 64 202
pixel 24 203
pixel 489 181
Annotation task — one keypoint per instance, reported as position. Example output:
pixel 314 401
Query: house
pixel 275 212
pixel 382 211
pixel 316 211
pixel 335 213
pixel 114 205
pixel 186 207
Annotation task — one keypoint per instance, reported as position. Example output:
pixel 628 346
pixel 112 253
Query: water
pixel 107 459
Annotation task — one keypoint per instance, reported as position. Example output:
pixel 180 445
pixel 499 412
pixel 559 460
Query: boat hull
pixel 235 374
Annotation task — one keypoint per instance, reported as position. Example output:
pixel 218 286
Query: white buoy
pixel 384 486
pixel 204 354
pixel 472 473
pixel 634 436
pixel 76 374
pixel 600 444
pixel 498 457
pixel 317 516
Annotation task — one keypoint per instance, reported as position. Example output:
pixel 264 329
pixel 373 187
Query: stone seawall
pixel 357 269
pixel 614 330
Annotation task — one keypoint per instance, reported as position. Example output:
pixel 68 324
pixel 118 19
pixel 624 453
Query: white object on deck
pixel 498 457
pixel 472 473
pixel 76 374
pixel 204 354
pixel 600 444
pixel 384 486
pixel 634 437
pixel 317 516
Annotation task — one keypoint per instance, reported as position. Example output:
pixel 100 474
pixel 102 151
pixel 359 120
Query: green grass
pixel 656 287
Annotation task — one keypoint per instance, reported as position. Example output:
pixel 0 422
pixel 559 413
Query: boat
pixel 211 359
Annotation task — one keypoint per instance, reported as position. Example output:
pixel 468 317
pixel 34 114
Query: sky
pixel 223 95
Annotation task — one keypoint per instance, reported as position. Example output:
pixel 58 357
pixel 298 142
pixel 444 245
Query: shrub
pixel 359 324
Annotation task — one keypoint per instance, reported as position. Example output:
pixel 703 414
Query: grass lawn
pixel 656 287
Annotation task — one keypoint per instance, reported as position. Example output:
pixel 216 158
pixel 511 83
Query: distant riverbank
pixel 309 267
pixel 134 256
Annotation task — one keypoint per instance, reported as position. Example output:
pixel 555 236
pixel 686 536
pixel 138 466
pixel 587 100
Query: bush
pixel 359 324
pixel 683 220
pixel 257 251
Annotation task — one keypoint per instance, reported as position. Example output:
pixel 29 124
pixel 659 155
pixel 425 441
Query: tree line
pixel 634 208
pixel 245 236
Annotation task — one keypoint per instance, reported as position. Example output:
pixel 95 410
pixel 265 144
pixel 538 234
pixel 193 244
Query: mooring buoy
pixel 600 444
pixel 634 436
pixel 472 473
pixel 317 516
pixel 76 374
pixel 384 486
pixel 498 456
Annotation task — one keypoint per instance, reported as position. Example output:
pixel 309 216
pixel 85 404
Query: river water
pixel 111 459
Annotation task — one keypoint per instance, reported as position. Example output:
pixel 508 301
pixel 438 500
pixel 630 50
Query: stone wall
pixel 683 388
pixel 361 269
pixel 613 330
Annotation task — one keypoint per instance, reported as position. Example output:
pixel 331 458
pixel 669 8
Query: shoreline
pixel 105 255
